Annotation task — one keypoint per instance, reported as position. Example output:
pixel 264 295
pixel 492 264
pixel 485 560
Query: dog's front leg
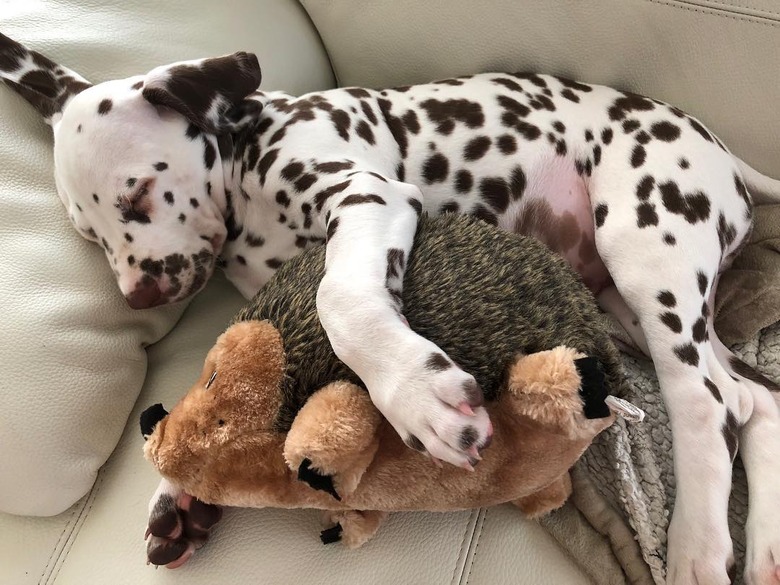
pixel 431 403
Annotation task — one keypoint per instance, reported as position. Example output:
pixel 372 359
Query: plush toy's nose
pixel 150 417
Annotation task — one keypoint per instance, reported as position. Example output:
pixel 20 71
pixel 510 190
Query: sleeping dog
pixel 188 167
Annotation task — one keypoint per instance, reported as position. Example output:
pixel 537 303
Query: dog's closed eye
pixel 211 379
pixel 138 190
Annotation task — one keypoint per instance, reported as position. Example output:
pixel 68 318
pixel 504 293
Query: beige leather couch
pixel 78 366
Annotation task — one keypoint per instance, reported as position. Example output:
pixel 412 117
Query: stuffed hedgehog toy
pixel 277 420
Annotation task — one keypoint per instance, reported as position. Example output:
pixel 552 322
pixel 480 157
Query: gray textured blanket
pixel 626 479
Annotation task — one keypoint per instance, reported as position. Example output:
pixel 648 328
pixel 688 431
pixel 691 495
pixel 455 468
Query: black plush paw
pixel 316 480
pixel 331 535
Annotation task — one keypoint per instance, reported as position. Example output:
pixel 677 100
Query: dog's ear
pixel 208 92
pixel 43 83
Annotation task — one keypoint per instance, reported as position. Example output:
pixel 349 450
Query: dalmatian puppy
pixel 189 167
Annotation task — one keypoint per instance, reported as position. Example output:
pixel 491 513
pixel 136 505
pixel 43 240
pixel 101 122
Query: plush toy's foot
pixel 177 527
pixel 333 438
pixel 546 500
pixel 356 527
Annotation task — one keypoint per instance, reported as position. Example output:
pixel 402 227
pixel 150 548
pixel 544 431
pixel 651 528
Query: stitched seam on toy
pixel 478 536
pixel 731 15
pixel 456 575
pixel 77 527
pixel 57 545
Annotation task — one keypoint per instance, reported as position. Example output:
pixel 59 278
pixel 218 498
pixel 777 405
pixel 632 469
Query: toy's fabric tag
pixel 625 409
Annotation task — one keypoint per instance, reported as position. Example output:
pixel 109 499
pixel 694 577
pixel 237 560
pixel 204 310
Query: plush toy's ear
pixel 210 93
pixel 593 389
pixel 47 86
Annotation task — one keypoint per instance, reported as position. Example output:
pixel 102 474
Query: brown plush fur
pixel 245 462
pixel 272 393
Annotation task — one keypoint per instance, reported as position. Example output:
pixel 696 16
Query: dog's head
pixel 138 163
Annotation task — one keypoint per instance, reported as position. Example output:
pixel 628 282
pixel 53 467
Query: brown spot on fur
pixel 364 131
pixel 638 156
pixel 672 321
pixel 445 113
pixel 645 187
pixel 411 122
pixel 495 191
pixel 292 170
pixel 713 389
pixel 665 131
pixel 699 330
pixel 341 121
pixel 321 197
pixel 483 213
pixel 730 432
pixel 395 263
pixel 463 181
pixel 105 106
pixel 468 437
pixel 694 207
pixel 749 373
pixel 646 215
pixel 507 144
pixel 600 214
pixel 358 199
pixel 687 354
pixel 727 232
pixel 438 362
pixel 334 166
pixel 331 230
pixel 435 169
pixel 476 148
pixel 701 278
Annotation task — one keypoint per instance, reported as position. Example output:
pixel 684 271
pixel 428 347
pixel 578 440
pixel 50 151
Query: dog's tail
pixel 763 189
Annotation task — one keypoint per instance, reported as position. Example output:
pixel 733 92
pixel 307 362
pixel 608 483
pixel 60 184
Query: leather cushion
pixel 716 59
pixel 72 351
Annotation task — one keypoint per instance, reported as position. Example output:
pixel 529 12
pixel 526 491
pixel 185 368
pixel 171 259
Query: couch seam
pixel 719 12
pixel 478 535
pixel 57 544
pixel 92 497
pixel 455 575
pixel 336 79
pixel 727 6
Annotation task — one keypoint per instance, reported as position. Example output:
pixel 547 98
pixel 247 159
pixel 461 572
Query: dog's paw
pixel 762 558
pixel 699 554
pixel 435 407
pixel 178 525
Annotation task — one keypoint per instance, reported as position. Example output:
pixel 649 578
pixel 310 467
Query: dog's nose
pixel 145 295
